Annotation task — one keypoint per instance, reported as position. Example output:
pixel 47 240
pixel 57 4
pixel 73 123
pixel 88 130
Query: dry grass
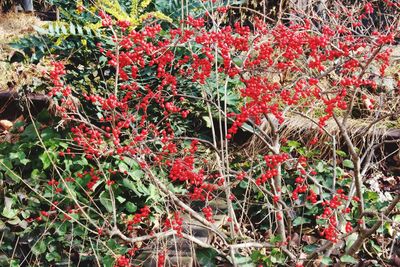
pixel 303 130
pixel 13 26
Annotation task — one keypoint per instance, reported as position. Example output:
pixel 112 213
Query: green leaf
pixel 154 195
pixel 72 28
pixel 310 248
pixel 238 61
pixel 131 185
pixel 13 176
pixel 208 121
pixel 244 261
pixel 120 199
pixel 17 155
pixel 5 164
pixel 106 201
pixel 25 161
pixel 130 207
pixel 206 257
pixel 45 160
pixel 14 263
pixel 377 248
pixel 39 248
pixel 8 211
pixel 57 29
pixel 326 261
pixel 351 239
pixel 51 29
pixel 275 239
pixel 300 221
pixel 348 164
pixel 80 30
pixel 257 256
pixel 14 221
pixel 131 163
pixel 108 261
pixel 293 144
pixel 40 30
pixel 243 184
pixel 320 167
pixel 130 170
pixel 230 99
pixel 62 229
pixel 53 256
pixel 371 196
pixel 348 259
pixel 64 29
pixel 35 174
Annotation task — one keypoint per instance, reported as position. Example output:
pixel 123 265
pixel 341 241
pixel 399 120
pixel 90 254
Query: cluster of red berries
pixel 175 224
pixel 208 213
pixel 138 217
pixel 106 19
pixel 312 196
pixel 122 261
pixel 161 259
pixel 183 170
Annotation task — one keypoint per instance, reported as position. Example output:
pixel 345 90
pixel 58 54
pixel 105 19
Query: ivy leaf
pixel 206 257
pixel 130 207
pixel 106 201
pixel 326 261
pixel 377 248
pixel 108 261
pixel 131 185
pixel 24 161
pixel 351 239
pixel 8 212
pixel 131 163
pixel 17 155
pixel 320 167
pixel 39 248
pixel 310 248
pixel 53 256
pixel 120 199
pixel 341 153
pixel 293 145
pixel 45 160
pixel 244 261
pixel 208 121
pixel 300 221
pixel 348 164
